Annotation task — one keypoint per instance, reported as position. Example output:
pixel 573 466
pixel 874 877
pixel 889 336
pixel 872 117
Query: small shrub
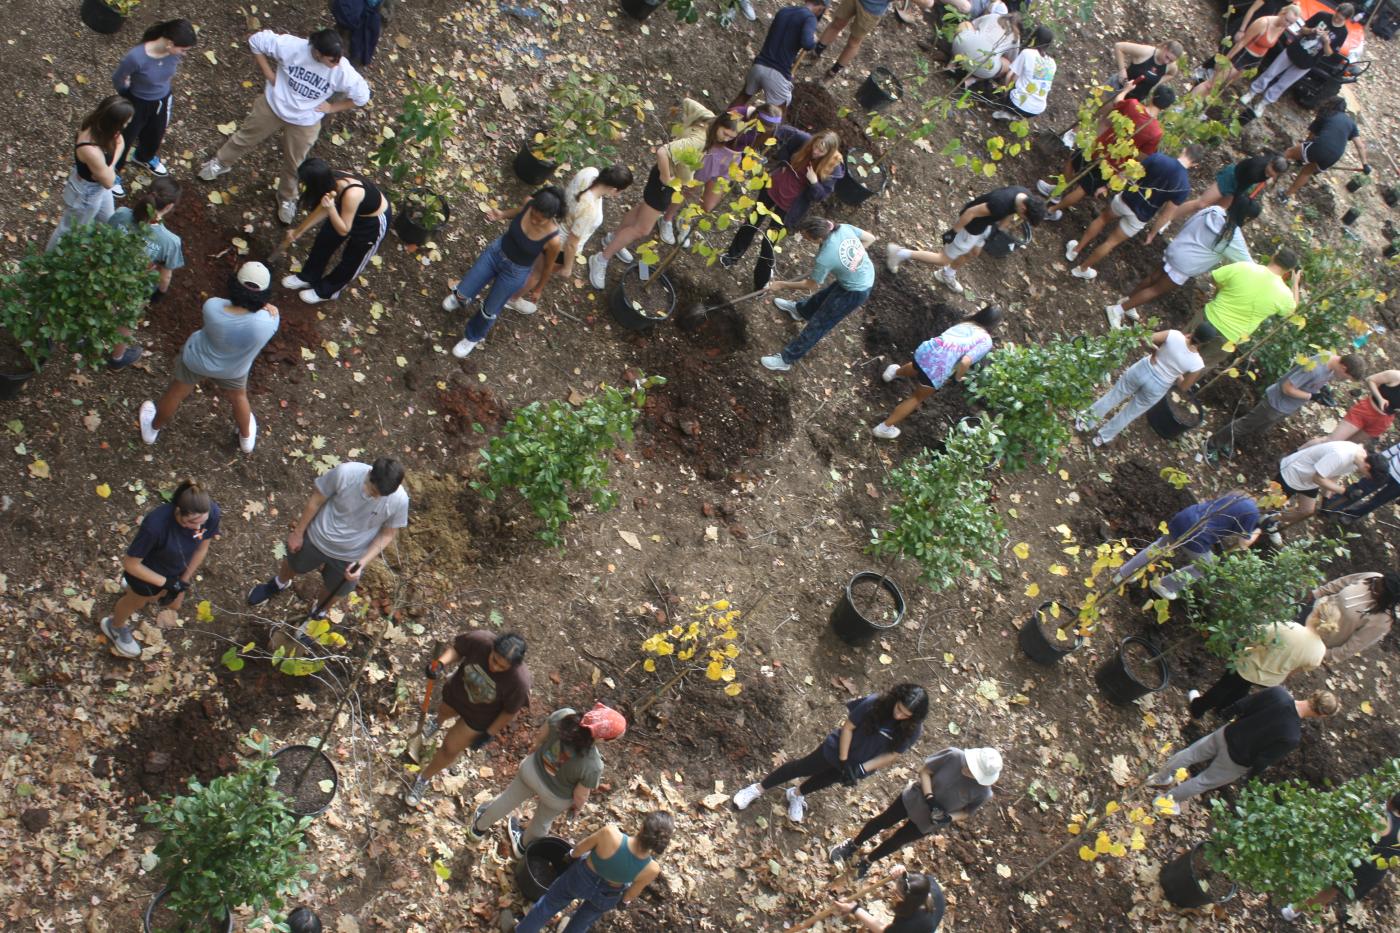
pixel 413 150
pixel 709 643
pixel 584 119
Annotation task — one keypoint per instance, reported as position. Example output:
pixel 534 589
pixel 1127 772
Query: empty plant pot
pixel 1174 415
pixel 99 17
pixel 317 789
pixel 545 859
pixel 880 89
pixel 159 919
pixel 1136 669
pixel 870 604
pixel 1187 881
pixel 1390 195
pixel 1038 639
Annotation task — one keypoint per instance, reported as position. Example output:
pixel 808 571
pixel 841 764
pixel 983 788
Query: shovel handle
pixel 428 697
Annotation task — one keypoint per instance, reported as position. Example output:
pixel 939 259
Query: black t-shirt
pixel 924 921
pixel 1266 727
pixel 166 546
pixel 1330 137
pixel 1251 172
pixel 1002 204
pixel 1306 51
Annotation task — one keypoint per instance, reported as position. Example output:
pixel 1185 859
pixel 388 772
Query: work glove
pixel 174 586
pixel 482 741
pixel 937 814
pixel 434 669
pixel 1366 168
pixel 852 772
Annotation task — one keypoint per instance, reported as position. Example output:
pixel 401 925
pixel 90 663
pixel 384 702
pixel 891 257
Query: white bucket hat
pixel 985 765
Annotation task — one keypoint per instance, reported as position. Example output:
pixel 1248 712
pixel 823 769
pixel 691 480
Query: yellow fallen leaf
pixel 60 88
pixel 227 128
pixel 1181 774
pixel 103 490
pixel 215 197
pixel 1059 570
pixel 1022 550
pixel 1367 708
pixel 39 469
pixel 1033 589
pixel 213 59
pixel 1102 844
pixel 1087 854
pixel 204 612
pixel 331 347
pixel 1138 842
pixel 886 659
pixel 1111 808
pixel 1073 829
pixel 307 353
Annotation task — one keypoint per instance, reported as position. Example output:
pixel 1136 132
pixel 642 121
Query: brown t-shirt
pixel 477 694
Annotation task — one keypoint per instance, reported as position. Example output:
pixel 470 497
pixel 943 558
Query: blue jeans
pixel 1363 497
pixel 84 202
pixel 822 312
pixel 1184 558
pixel 1141 386
pixel 578 883
pixel 505 278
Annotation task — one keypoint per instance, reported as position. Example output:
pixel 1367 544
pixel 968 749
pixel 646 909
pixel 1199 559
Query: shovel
pixel 695 315
pixel 414 749
pixel 279 640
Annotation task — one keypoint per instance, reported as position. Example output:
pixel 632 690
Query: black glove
pixel 1324 395
pixel 156 295
pixel 1366 168
pixel 949 236
pixel 434 669
pixel 482 741
pixel 937 814
pixel 852 772
pixel 174 586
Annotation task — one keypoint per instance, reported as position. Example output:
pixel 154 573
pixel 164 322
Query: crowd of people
pixel 356 509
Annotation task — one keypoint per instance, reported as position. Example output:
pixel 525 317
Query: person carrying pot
pixel 560 772
pixel 1175 362
pixel 1229 521
pixel 1005 207
pixel 223 351
pixel 920 907
pixel 1142 67
pixel 1306 473
pixel 1286 397
pixel 354 513
pixel 792 31
pixel 166 250
pixel 1373 414
pixel 1212 237
pixel 842 256
pixel 161 562
pixel 1321 37
pixel 1369 872
pixel 609 870
pixel 1379 487
pixel 144 77
pixel 88 192
pixel 1281 650
pixel 802 171
pixel 950 355
pixel 505 265
pixel 294 101
pixel 951 785
pixel 1328 135
pixel 489 689
pixel 1263 728
pixel 879 728
pixel 353 213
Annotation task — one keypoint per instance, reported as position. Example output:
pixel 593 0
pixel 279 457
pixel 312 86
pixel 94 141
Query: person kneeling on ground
pixel 842 254
pixel 948 356
pixel 1003 207
pixel 920 909
pixel 1031 74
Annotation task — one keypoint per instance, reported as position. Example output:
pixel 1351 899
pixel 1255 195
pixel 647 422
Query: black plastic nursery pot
pixel 640 9
pixel 409 221
pixel 641 309
pixel 863 180
pixel 11 384
pixel 1351 216
pixel 861 614
pixel 99 17
pixel 312 798
pixel 1037 636
pixel 545 859
pixel 158 920
pixel 1355 183
pixel 1174 415
pixel 1390 195
pixel 1136 669
pixel 1188 882
pixel 881 88
pixel 528 168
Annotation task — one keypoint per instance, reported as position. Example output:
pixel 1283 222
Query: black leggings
pixel 815 768
pixel 1230 688
pixel 361 243
pixel 743 239
pixel 146 129
pixel 896 840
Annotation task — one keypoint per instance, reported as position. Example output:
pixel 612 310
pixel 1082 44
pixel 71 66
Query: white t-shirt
pixel 1033 74
pixel 983 44
pixel 303 83
pixel 584 214
pixel 1174 358
pixel 1333 460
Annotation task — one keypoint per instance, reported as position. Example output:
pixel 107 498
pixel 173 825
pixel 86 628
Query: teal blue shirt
pixel 164 247
pixel 843 255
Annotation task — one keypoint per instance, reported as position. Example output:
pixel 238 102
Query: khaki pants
pixel 261 123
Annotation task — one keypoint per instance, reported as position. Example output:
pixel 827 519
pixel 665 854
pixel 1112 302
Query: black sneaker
pixel 264 591
pixel 727 260
pixel 842 852
pixel 862 868
pixel 513 830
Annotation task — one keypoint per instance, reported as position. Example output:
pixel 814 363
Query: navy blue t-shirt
pixel 793 28
pixel 1166 181
pixel 166 546
pixel 872 738
pixel 1232 514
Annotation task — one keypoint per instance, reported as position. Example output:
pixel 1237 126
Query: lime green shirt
pixel 1248 294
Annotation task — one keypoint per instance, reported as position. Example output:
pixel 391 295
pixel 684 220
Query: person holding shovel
pixel 920 908
pixel 950 355
pixel 354 513
pixel 161 562
pixel 1230 521
pixel 488 691
pixel 353 213
pixel 1003 208
pixel 562 769
pixel 878 729
pixel 1328 135
pixel 609 871
pixel 842 256
pixel 1286 397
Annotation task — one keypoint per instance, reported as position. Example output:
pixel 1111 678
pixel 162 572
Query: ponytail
pixel 179 31
pixel 189 498
pixel 164 191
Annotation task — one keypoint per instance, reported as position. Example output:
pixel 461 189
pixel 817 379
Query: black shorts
pixel 141 587
pixel 1092 180
pixel 922 378
pixel 1290 491
pixel 656 195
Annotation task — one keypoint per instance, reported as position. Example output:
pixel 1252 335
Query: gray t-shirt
pixel 954 791
pixel 1300 377
pixel 560 768
pixel 164 247
pixel 227 344
pixel 144 77
pixel 350 518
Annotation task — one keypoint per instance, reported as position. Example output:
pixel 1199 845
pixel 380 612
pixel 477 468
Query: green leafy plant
pixel 1291 841
pixel 124 7
pixel 553 451
pixel 944 520
pixel 231 843
pixel 1037 389
pixel 686 11
pixel 83 294
pixel 413 150
pixel 584 124
pixel 1237 597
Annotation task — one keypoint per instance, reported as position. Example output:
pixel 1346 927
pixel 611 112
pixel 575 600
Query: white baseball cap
pixel 254 275
pixel 985 765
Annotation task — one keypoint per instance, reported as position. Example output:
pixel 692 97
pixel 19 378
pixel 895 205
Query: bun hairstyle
pixel 818 228
pixel 615 176
pixel 549 202
pixel 1329 620
pixel 189 498
pixel 657 827
pixel 574 734
pixel 988 317
pixel 164 192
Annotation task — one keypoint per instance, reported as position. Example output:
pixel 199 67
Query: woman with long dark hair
pixel 1354 612
pixel 950 355
pixel 505 265
pixel 352 212
pixel 920 908
pixel 235 330
pixel 87 195
pixel 878 729
pixel 144 77
pixel 161 562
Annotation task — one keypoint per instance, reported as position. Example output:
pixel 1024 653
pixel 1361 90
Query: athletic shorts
pixel 141 587
pixel 1322 158
pixel 862 20
pixel 1366 416
pixel 1092 180
pixel 1290 491
pixel 1178 277
pixel 776 87
pixel 332 569
pixel 964 242
pixel 1128 222
pixel 183 373
pixel 656 195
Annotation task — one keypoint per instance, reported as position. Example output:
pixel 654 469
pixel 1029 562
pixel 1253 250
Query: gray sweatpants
pixel 1221 771
pixel 1256 421
pixel 526 785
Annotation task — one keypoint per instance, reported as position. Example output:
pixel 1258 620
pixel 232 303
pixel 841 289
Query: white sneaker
pixel 246 444
pixel 1289 913
pixel 309 296
pixel 1247 98
pixel 1087 274
pixel 1161 779
pixel 891 372
pixel 790 306
pixel 1044 187
pixel 145 417
pixel 598 271
pixel 1114 313
pixel 464 347
pixel 1003 115
pixel 668 232
pixel 1192 696
pixel 624 254
pixel 1068 138
pixel 212 169
pixel 1131 314
pixel 887 432
pixel 123 643
pixel 746 7
pixel 1055 215
pixel 451 302
pixel 892 260
pixel 1259 108
pixel 747 796
pixel 948 277
pixel 797 805
pixel 1072 250
pixel 1098 440
pixel 414 795
pixel 522 305
pixel 295 281
pixel 1081 424
pixel 776 363
pixel 286 211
